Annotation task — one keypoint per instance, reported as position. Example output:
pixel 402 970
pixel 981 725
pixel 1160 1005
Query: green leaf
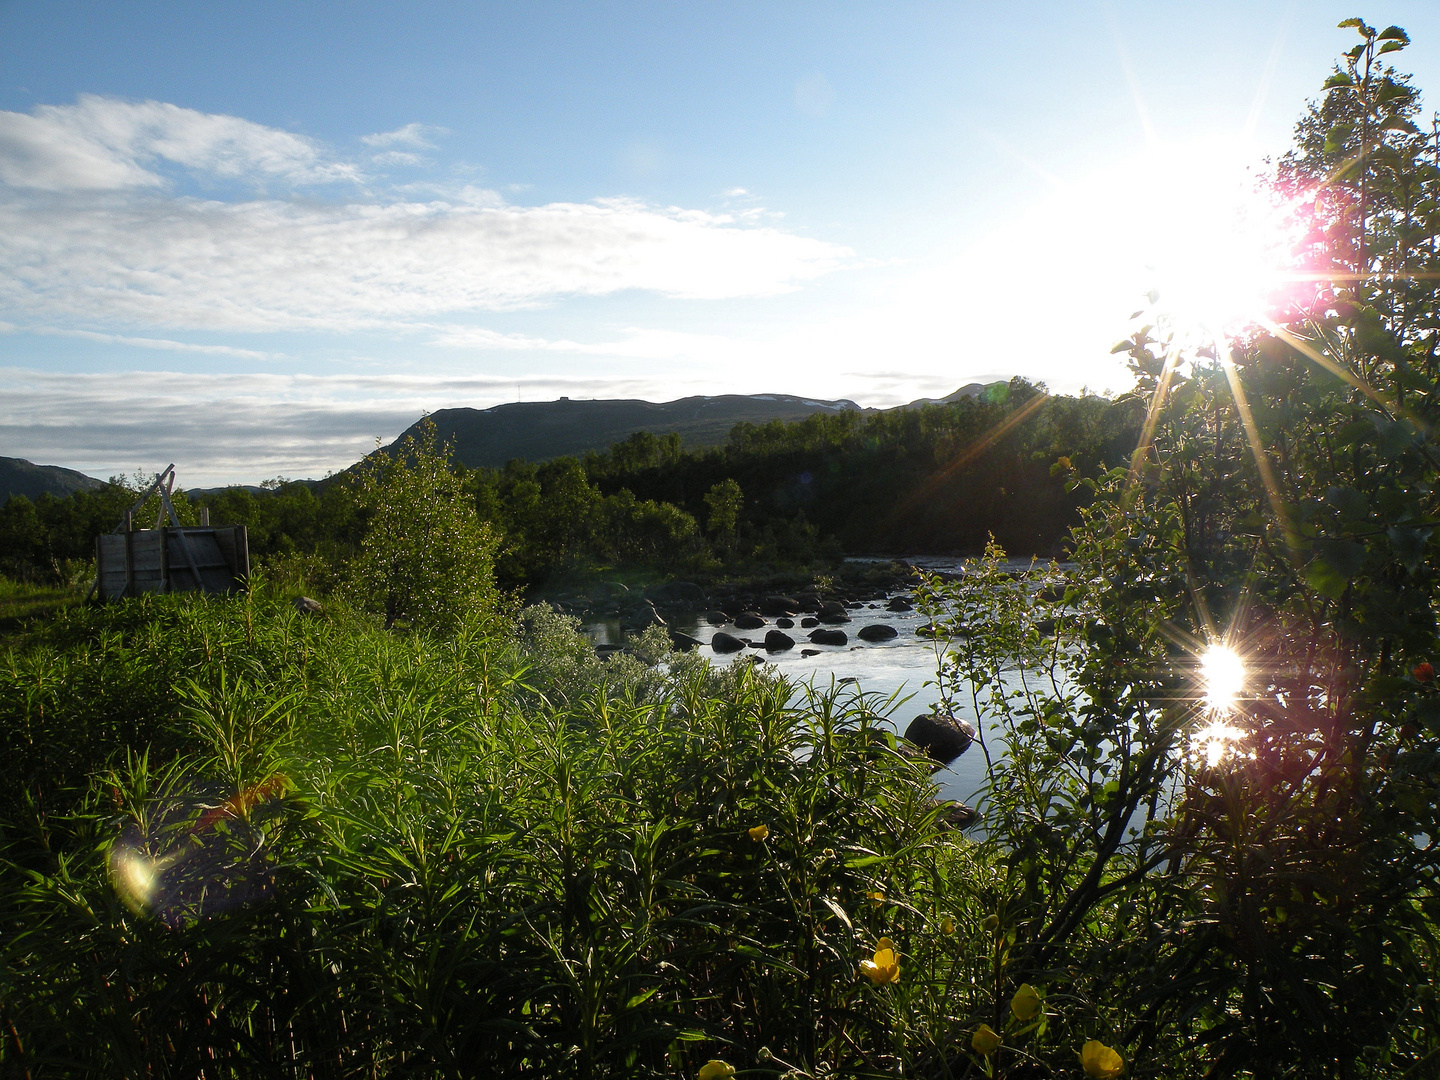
pixel 1345 557
pixel 641 997
pixel 1396 437
pixel 1391 46
pixel 1339 78
pixel 1409 545
pixel 1325 580
pixel 1393 33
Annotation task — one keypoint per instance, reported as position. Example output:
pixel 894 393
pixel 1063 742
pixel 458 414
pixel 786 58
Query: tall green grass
pixel 239 842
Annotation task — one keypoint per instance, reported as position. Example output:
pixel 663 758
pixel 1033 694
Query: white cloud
pixel 269 264
pixel 416 135
pixel 164 344
pixel 397 157
pixel 92 236
pixel 104 144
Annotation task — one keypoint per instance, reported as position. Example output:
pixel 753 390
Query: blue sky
pixel 251 238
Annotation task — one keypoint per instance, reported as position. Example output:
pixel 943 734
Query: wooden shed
pixel 171 558
pixel 214 560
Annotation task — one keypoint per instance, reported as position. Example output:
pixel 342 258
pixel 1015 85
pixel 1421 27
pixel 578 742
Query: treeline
pixel 942 478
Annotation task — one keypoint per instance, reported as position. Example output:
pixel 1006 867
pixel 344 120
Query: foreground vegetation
pixel 426 834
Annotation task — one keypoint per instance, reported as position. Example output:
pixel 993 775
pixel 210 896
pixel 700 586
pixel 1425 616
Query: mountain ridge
pixel 19 476
pixel 541 430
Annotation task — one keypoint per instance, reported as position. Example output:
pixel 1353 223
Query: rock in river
pixel 683 642
pixel 726 643
pixel 749 620
pixel 878 632
pixel 829 637
pixel 778 641
pixel 940 735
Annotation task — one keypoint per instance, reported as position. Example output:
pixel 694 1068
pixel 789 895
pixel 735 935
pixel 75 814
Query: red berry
pixel 1424 672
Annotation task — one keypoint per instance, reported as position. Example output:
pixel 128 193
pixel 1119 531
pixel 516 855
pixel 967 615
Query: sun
pixel 1218 242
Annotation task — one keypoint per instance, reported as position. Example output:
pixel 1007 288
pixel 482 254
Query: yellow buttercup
pixel 1100 1062
pixel 985 1041
pixel 885 966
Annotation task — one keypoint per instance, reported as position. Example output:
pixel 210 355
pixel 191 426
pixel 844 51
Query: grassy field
pixel 20 602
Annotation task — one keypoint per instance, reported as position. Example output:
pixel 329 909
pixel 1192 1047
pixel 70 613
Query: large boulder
pixel 716 618
pixel 899 603
pixel 779 605
pixel 809 602
pixel 823 636
pixel 784 623
pixel 726 643
pixel 778 641
pixel 808 621
pixel 943 737
pixel 878 632
pixel 684 642
pixel 306 606
pixel 749 620
pixel 833 611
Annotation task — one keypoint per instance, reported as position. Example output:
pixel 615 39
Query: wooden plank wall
pixel 154 560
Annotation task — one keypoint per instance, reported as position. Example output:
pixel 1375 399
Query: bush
pixel 426 561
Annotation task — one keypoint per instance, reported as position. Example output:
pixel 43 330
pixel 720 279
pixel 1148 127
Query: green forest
pixel 778 497
pixel 428 832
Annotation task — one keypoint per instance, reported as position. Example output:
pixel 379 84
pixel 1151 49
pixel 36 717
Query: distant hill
pixel 969 390
pixel 540 430
pixel 21 477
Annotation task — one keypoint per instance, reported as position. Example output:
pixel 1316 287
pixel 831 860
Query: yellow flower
pixel 985 1041
pixel 991 923
pixel 1100 1062
pixel 1026 1002
pixel 885 967
pixel 759 832
pixel 947 926
pixel 715 1069
pixel 876 898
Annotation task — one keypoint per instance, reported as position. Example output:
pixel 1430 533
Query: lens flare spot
pixel 1216 742
pixel 1223 673
pixel 134 877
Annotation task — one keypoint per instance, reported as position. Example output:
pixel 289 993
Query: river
pixel 903 668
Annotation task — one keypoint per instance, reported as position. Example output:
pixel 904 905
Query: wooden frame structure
pixel 169 558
